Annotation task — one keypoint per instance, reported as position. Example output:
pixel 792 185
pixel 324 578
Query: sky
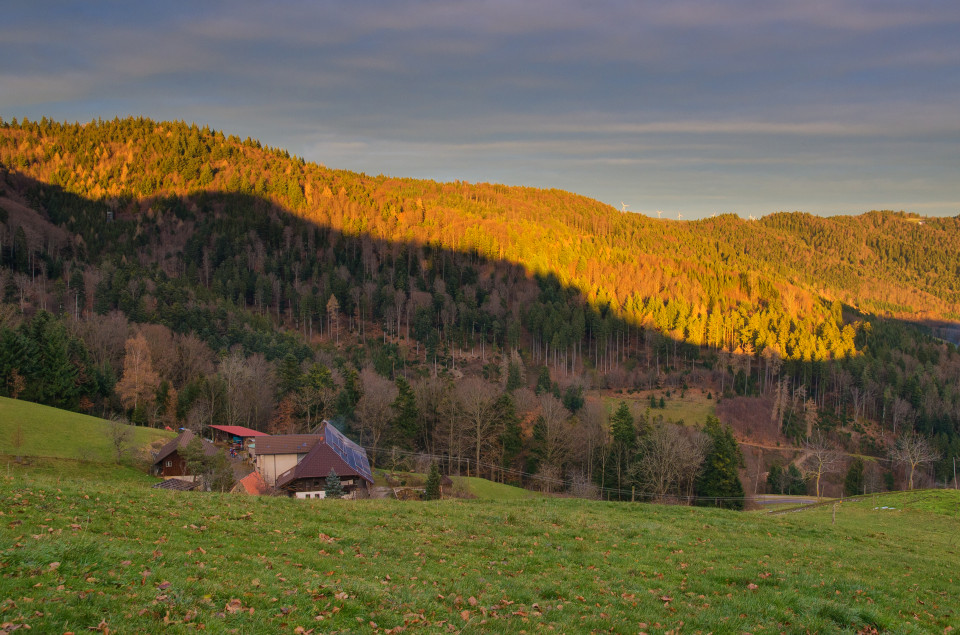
pixel 692 108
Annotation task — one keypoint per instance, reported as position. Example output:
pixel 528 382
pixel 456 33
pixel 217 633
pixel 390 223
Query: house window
pixel 169 463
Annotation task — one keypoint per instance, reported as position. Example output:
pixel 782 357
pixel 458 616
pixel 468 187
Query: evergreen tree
pixel 332 487
pixel 796 486
pixel 775 479
pixel 511 439
pixel 432 492
pixel 407 417
pixel 623 451
pixel 853 483
pixel 719 482
pixel 514 376
pixel 543 381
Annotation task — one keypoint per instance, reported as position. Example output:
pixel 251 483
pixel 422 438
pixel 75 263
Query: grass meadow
pixel 85 554
pixel 53 433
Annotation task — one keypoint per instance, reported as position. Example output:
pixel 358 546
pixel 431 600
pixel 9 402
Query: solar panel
pixel 351 453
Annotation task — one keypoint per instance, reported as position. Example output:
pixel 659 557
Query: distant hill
pixel 263 286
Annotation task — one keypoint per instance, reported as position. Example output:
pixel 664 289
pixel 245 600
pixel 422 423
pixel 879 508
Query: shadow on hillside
pixel 228 264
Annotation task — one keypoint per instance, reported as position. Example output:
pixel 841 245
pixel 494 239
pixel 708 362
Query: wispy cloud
pixel 763 105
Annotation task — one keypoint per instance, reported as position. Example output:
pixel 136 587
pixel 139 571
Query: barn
pixel 169 464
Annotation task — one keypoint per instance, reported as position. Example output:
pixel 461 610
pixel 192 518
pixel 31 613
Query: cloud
pixel 695 98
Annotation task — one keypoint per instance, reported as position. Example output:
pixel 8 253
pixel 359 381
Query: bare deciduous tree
pixel 902 414
pixel 821 459
pixel 120 436
pixel 482 423
pixel 195 359
pixel 374 410
pixel 553 431
pixel 17 442
pixel 105 337
pixel 590 437
pixel 431 395
pixel 670 459
pixel 911 451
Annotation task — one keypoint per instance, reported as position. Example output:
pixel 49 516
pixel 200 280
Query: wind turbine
pixel 659 213
pixel 752 218
pixel 679 215
pixel 623 206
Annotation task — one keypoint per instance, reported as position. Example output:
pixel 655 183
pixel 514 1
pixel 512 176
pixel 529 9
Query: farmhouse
pixel 169 464
pixel 331 452
pixel 277 454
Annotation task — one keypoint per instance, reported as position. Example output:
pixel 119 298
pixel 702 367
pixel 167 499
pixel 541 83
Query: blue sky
pixel 751 107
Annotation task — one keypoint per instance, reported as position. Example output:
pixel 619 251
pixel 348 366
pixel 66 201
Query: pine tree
pixel 623 450
pixel 332 487
pixel 853 484
pixel 432 492
pixel 719 482
pixel 407 417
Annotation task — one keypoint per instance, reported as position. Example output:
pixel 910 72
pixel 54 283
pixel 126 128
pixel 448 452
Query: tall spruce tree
pixel 623 451
pixel 719 482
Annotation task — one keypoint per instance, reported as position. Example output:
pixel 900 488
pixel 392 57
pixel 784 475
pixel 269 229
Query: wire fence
pixel 557 483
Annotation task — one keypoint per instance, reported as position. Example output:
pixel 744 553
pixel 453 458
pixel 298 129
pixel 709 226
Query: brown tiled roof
pixel 181 441
pixel 286 444
pixel 317 464
pixel 252 483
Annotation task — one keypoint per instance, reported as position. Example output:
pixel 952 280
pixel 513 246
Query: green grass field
pixel 83 555
pixel 693 407
pixel 52 433
pixel 488 490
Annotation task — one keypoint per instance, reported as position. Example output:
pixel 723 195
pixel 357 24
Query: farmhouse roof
pixel 240 431
pixel 181 441
pixel 332 450
pixel 287 444
pixel 317 464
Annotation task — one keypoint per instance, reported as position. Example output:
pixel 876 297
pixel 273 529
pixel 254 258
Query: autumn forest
pixel 172 275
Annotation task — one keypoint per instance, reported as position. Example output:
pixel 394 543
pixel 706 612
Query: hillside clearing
pixel 692 408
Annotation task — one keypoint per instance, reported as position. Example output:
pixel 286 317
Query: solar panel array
pixel 351 453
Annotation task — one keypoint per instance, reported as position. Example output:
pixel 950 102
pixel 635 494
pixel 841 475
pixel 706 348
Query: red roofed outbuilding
pixel 234 434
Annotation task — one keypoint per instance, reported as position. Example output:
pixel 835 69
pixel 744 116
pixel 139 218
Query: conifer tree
pixel 623 450
pixel 853 484
pixel 432 492
pixel 332 487
pixel 406 417
pixel 719 482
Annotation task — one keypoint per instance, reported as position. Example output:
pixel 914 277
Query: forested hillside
pixel 187 277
